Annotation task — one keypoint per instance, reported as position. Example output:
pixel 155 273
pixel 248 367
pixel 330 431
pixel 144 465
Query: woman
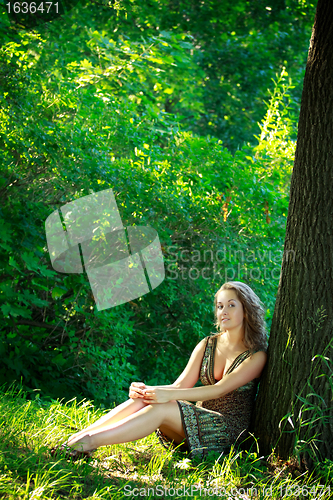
pixel 229 365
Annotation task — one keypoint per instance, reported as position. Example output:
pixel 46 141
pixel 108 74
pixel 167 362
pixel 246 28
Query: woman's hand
pixel 136 390
pixel 155 395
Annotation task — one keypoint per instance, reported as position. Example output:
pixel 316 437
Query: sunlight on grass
pixel 29 428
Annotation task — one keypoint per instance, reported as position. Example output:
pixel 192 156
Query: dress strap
pixel 238 360
pixel 207 364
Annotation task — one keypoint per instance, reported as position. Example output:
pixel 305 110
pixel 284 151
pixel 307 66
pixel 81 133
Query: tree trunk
pixel 302 324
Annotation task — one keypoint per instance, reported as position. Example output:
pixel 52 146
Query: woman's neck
pixel 233 340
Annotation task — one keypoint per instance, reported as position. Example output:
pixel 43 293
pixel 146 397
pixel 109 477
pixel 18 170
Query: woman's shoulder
pixel 259 349
pixel 259 357
pixel 205 342
pixel 209 337
pixel 213 336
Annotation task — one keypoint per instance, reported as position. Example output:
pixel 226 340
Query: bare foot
pixel 81 443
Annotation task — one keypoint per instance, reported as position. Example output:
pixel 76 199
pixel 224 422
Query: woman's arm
pixel 137 389
pixel 248 370
pixel 188 378
pixel 190 375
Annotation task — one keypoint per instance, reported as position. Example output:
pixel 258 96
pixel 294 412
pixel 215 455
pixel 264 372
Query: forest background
pixel 188 110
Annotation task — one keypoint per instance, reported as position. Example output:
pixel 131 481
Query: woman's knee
pixel 168 411
pixel 137 403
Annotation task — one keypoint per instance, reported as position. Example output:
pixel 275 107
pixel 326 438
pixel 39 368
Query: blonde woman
pixel 228 364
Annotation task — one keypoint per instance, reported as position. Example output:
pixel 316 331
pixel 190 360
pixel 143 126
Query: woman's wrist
pixel 170 392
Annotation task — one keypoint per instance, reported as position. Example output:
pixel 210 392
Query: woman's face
pixel 229 310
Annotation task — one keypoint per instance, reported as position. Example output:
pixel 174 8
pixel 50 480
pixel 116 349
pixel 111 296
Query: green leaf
pixel 58 292
pixel 59 360
pixel 31 261
pixel 15 311
pixel 13 263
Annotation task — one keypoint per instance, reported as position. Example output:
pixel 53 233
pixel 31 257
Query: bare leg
pixel 118 413
pixel 135 426
pixel 174 436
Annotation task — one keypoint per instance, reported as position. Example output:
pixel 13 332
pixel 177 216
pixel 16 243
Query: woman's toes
pixel 82 444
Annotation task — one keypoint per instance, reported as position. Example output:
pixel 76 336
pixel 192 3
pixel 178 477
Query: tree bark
pixel 302 323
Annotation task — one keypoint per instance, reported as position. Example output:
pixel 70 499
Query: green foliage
pixel 240 46
pixel 116 98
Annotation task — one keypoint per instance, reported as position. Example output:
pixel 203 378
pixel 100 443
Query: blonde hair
pixel 255 335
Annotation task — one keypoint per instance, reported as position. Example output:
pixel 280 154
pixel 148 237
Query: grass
pixel 144 469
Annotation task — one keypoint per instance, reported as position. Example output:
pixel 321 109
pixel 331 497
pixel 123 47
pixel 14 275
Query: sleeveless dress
pixel 216 424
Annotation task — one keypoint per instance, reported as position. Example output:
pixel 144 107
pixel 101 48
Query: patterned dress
pixel 216 424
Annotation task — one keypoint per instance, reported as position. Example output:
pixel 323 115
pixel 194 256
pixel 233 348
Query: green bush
pixel 63 141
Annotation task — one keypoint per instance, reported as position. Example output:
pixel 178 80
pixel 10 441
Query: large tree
pixel 297 383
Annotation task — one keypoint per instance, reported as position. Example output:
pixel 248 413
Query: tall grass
pixel 30 427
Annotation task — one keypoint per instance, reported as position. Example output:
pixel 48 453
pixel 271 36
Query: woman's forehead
pixel 226 295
